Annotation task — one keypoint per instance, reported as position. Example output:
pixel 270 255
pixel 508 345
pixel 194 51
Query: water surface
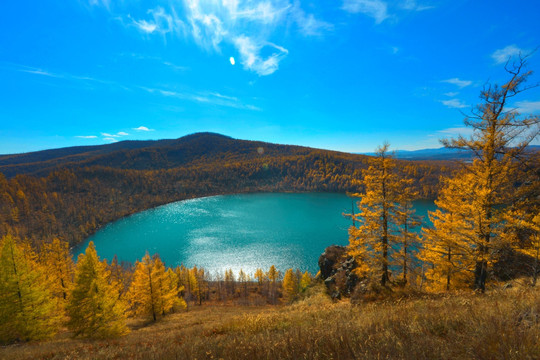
pixel 234 231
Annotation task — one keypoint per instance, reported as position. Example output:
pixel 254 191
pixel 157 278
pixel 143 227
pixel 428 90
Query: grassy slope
pixel 503 324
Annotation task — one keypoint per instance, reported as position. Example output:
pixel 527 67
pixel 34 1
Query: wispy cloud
pixel 142 128
pixel 454 103
pixel 121 133
pixel 528 107
pixel 414 5
pixel 204 97
pixel 458 82
pixel 503 55
pixel 245 24
pixel 86 136
pixel 110 135
pixel 110 139
pixel 160 21
pixel 307 23
pixel 250 55
pixel 377 9
pixel 261 66
pixel 452 93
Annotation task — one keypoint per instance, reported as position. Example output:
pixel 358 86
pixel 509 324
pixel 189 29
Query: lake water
pixel 234 231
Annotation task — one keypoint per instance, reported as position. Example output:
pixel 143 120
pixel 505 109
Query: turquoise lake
pixel 234 231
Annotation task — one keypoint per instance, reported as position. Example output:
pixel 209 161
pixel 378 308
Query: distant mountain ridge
pixel 438 154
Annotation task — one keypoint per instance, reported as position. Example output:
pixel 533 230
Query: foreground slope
pixel 502 324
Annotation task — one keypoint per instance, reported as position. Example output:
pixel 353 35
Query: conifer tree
pixel 27 309
pixel 259 276
pixel 290 285
pixel 56 258
pixel 94 307
pixel 305 281
pixel 370 242
pixel 499 137
pixel 446 251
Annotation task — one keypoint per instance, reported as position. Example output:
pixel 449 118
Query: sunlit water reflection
pixel 234 231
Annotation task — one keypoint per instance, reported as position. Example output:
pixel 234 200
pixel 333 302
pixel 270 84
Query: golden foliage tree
pixel 154 290
pixel 56 258
pixel 370 243
pixel 94 307
pixel 447 256
pixel 290 285
pixel 27 309
pixel 499 137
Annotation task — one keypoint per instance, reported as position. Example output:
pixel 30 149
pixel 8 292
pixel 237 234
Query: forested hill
pixel 146 155
pixel 71 192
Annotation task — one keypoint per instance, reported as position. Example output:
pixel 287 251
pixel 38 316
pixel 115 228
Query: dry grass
pixel 503 324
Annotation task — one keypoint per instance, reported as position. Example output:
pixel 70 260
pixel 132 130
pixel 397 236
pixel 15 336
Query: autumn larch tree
pixel 447 256
pixel 94 307
pixel 370 242
pixel 500 135
pixel 56 258
pixel 27 309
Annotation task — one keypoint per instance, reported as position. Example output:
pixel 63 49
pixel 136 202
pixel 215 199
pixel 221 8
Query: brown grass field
pixel 501 324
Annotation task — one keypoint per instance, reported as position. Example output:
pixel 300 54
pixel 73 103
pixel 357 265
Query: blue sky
pixel 336 74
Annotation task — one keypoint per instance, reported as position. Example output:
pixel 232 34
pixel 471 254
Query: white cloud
pixel 250 51
pixel 160 22
pixel 231 60
pixel 377 9
pixel 503 55
pixel 111 139
pixel 204 97
pixel 458 82
pixel 145 26
pixel 528 107
pixel 86 136
pixel 109 135
pixel 307 23
pixel 452 93
pixel 246 24
pixel 454 103
pixel 121 133
pixel 142 128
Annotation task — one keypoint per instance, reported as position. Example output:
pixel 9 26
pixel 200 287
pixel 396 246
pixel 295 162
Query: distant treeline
pixel 72 202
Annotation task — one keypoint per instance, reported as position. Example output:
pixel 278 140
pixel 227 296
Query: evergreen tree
pixel 27 309
pixel 94 307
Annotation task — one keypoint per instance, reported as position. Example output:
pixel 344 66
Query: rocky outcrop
pixel 337 271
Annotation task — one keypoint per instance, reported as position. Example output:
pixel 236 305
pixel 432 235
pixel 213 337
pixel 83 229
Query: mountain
pixel 144 155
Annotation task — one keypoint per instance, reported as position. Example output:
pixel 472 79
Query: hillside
pixel 70 193
pixel 144 155
pixel 502 324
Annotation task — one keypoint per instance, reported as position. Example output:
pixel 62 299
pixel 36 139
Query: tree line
pixel 486 208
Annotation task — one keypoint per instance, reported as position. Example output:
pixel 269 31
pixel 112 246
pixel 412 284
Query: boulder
pixel 337 271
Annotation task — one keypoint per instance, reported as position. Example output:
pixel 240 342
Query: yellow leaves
pixel 94 306
pixel 27 310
